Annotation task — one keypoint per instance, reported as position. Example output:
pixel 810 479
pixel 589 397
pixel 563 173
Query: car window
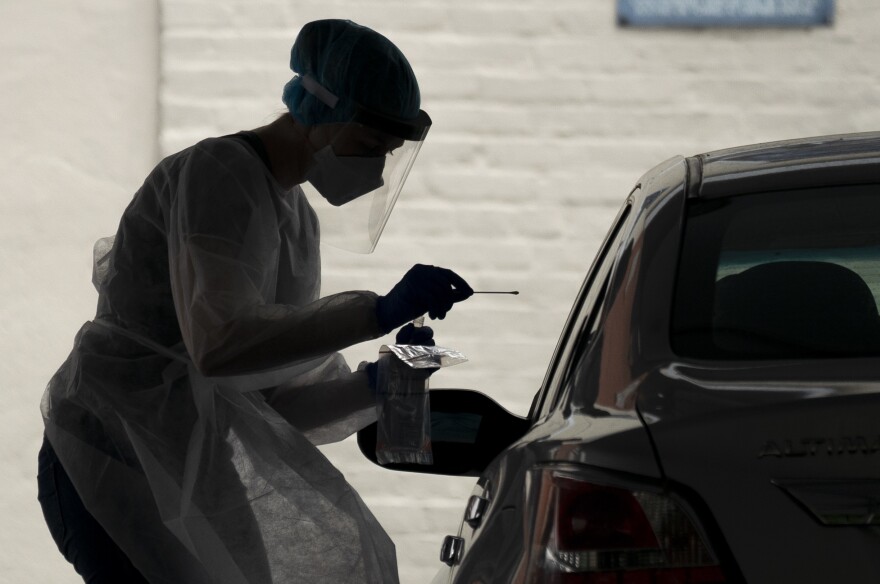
pixel 582 317
pixel 781 275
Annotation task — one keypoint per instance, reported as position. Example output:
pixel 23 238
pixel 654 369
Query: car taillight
pixel 588 533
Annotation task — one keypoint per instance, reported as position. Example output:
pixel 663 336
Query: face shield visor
pixel 358 171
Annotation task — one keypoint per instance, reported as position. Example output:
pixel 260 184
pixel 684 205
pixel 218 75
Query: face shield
pixel 358 170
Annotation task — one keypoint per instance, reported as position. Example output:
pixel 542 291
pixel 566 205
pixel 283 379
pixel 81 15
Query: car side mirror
pixel 468 430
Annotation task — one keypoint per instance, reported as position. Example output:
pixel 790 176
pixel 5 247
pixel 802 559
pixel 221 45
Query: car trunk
pixel 790 469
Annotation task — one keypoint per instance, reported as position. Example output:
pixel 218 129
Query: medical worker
pixel 181 431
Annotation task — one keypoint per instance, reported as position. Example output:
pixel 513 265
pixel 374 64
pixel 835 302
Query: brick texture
pixel 545 115
pixel 78 89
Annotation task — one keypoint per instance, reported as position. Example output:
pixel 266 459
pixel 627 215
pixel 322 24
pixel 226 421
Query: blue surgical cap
pixel 357 65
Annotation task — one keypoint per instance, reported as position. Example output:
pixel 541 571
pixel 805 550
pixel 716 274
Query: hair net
pixel 357 65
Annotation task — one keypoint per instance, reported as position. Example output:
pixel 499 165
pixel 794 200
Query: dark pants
pixel 79 537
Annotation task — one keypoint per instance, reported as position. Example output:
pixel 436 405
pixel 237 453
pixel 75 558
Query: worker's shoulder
pixel 224 160
pixel 223 150
pixel 217 156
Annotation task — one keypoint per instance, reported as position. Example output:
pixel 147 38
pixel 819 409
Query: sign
pixel 725 13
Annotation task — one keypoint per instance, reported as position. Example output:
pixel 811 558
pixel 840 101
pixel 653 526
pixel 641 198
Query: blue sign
pixel 725 13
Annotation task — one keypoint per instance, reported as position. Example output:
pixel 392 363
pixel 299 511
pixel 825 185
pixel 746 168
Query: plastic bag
pixel 403 407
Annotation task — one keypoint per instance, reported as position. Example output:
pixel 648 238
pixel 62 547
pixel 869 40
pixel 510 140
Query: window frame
pixel 583 314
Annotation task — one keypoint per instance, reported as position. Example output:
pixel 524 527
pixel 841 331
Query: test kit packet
pixel 403 407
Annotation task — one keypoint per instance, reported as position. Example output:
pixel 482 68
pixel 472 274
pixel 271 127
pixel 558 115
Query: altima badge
pixel 810 447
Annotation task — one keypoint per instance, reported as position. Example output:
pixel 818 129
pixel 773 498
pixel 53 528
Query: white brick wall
pixel 78 88
pixel 545 114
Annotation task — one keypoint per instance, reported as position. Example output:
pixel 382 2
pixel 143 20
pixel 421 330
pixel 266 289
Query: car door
pixel 489 536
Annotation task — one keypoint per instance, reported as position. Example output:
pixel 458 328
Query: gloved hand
pixel 417 335
pixel 372 370
pixel 423 289
pixel 413 335
pixel 408 335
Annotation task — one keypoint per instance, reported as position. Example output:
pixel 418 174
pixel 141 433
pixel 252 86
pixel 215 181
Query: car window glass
pixel 583 315
pixel 784 275
pixel 578 365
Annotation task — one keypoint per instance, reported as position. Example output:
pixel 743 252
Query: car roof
pixel 790 164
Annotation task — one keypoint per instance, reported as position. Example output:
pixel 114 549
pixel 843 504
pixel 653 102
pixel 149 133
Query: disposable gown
pixel 215 268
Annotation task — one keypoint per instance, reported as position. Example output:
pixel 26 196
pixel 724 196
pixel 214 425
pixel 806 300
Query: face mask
pixel 341 179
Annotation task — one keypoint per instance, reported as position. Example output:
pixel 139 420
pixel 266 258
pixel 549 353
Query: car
pixel 711 410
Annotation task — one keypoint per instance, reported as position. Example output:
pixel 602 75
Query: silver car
pixel 712 410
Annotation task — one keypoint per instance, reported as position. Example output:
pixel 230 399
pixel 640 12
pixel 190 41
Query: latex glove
pixel 408 335
pixel 413 335
pixel 423 289
pixel 371 368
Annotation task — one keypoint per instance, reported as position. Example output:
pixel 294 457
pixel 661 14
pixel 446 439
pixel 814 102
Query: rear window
pixel 780 275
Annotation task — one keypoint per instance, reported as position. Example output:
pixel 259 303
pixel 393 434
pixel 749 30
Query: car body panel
pixel 745 438
pixel 494 548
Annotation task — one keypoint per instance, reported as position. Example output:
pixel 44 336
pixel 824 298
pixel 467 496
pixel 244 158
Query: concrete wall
pixel 79 123
pixel 545 114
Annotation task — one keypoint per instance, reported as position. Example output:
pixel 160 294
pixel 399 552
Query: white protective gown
pixel 215 268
